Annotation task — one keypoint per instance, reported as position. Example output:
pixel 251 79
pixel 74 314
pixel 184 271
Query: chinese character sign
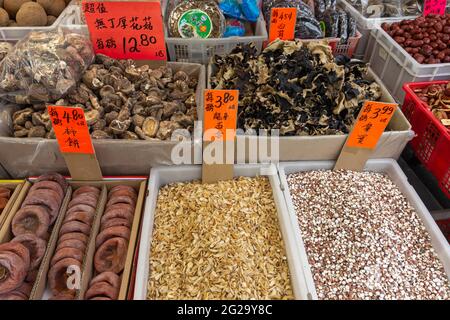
pixel 434 7
pixel 126 30
pixel 282 24
pixel 71 129
pixel 371 123
pixel 220 113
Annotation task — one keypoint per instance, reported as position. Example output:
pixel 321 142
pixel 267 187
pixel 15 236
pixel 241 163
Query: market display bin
pixel 338 48
pixel 15 186
pixel 395 66
pixel 393 170
pixel 364 26
pixel 295 148
pixel 35 156
pixel 432 141
pixel 162 176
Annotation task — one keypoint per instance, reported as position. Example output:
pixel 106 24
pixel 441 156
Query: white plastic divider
pixel 161 176
pixel 395 173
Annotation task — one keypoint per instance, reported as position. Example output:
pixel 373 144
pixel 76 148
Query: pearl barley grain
pixel 363 239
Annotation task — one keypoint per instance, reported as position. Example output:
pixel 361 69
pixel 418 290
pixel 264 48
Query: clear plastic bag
pixel 44 66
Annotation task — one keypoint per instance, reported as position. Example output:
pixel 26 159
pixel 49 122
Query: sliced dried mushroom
pixel 150 127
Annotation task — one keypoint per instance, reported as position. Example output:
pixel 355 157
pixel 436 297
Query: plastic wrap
pixel 44 66
pixel 343 26
pixel 351 25
pixel 319 9
pixel 234 28
pixel 240 9
pixel 331 20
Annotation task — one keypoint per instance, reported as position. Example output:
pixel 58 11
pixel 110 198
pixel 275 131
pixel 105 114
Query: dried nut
pixel 150 127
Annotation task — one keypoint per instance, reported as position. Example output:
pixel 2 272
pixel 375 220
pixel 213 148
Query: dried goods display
pixel 72 241
pixel 363 239
pixel 437 98
pixel 5 194
pixel 298 88
pixel 26 13
pixel 112 243
pixel 426 39
pixel 122 101
pixel 20 258
pixel 44 66
pixel 218 241
pixel 387 8
pixel 5 48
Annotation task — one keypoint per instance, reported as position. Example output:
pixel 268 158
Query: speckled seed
pixel 363 239
pixel 218 241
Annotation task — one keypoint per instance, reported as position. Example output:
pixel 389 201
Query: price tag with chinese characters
pixel 434 7
pixel 220 114
pixel 282 24
pixel 126 30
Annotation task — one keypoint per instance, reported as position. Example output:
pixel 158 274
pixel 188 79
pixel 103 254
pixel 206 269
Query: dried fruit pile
pixel 363 239
pixel 437 98
pixel 218 241
pixel 297 88
pixel 5 194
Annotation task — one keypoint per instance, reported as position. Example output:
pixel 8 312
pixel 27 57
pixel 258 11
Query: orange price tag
pixel 71 129
pixel 126 30
pixel 282 24
pixel 220 114
pixel 371 123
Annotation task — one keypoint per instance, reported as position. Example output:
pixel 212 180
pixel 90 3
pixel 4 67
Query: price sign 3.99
pixel 126 30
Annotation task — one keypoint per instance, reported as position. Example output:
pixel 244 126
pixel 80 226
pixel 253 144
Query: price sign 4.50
pixel 126 30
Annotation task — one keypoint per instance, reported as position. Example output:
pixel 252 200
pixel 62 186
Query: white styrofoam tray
pixel 161 176
pixel 395 173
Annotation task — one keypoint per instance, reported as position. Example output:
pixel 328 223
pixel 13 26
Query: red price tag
pixel 220 114
pixel 371 123
pixel 434 7
pixel 71 129
pixel 126 30
pixel 282 24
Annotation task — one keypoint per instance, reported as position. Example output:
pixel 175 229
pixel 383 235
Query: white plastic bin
pixel 394 66
pixel 161 176
pixel 393 170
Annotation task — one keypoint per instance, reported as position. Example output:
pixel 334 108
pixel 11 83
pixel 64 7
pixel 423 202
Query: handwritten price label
pixel 434 7
pixel 71 129
pixel 221 113
pixel 126 30
pixel 371 123
pixel 282 24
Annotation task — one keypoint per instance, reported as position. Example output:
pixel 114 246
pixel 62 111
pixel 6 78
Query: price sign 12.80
pixel 126 30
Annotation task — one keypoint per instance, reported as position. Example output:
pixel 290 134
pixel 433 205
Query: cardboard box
pixel 34 156
pixel 15 186
pixel 390 145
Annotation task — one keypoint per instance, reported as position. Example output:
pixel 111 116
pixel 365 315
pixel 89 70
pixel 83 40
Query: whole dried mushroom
pixel 298 88
pixel 437 99
pixel 44 67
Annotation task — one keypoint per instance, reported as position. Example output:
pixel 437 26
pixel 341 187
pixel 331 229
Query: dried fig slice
pixel 112 232
pixel 48 185
pixel 75 226
pixel 109 277
pixel 102 289
pixel 121 187
pixel 86 189
pixel 35 245
pixel 117 213
pixel 123 192
pixel 57 276
pixel 31 219
pixel 81 207
pixel 116 222
pixel 81 216
pixel 45 198
pixel 121 199
pixel 13 271
pixel 72 243
pixel 73 236
pixel 85 199
pixel 18 249
pixel 63 253
pixel 54 177
pixel 111 255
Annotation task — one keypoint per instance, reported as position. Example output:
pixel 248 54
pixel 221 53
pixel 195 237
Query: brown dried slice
pixel 63 253
pixel 72 243
pixel 35 245
pixel 13 271
pixel 85 199
pixel 123 192
pixel 25 289
pixel 109 277
pixel 64 295
pixel 5 193
pixel 81 216
pixel 48 185
pixel 3 203
pixel 46 198
pixel 75 226
pixel 57 276
pixel 86 189
pixel 121 187
pixel 117 213
pixel 54 177
pixel 112 232
pixel 111 255
pixel 116 222
pixel 81 207
pixel 73 235
pixel 13 295
pixel 31 219
pixel 121 206
pixel 102 289
pixel 32 276
pixel 18 249
pixel 121 199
